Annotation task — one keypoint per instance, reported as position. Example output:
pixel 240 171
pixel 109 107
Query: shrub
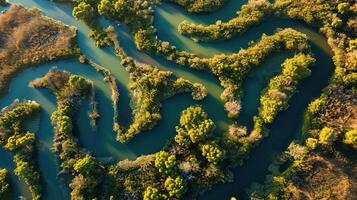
pixel 351 138
pixel 212 152
pixel 176 187
pixel 165 162
pixel 327 136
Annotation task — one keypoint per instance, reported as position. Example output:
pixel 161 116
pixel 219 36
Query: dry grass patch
pixel 28 38
pixel 325 177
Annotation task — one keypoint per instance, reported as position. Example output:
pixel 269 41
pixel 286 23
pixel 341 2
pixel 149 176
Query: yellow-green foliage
pixel 194 124
pixel 196 6
pixel 165 162
pixel 327 136
pixel 4 184
pixel 151 194
pixel 18 141
pixel 151 86
pixel 86 165
pixel 25 171
pixel 21 145
pixel 316 12
pixel 212 152
pixel 12 117
pixel 280 89
pixel 176 187
pixel 83 11
pixel 351 138
pixel 249 15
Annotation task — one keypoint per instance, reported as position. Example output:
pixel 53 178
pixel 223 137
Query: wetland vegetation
pixel 213 137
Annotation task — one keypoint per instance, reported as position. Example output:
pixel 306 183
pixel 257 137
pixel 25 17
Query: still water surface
pixel 101 142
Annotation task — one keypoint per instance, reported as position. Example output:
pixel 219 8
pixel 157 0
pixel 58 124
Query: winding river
pixel 102 143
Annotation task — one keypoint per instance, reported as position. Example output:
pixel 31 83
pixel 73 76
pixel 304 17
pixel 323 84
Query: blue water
pixel 102 143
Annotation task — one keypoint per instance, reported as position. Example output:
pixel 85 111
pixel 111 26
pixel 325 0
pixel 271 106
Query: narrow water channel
pixel 102 143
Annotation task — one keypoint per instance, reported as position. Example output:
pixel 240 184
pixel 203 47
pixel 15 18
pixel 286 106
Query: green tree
pixel 77 82
pixel 106 8
pixel 64 124
pixel 86 165
pixel 25 171
pixel 151 194
pixel 165 162
pixel 212 152
pixel 83 11
pixel 194 123
pixel 176 187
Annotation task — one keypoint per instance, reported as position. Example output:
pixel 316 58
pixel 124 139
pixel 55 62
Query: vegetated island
pixel 14 138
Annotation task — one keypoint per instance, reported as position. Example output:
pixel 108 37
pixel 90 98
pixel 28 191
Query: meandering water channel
pixel 101 142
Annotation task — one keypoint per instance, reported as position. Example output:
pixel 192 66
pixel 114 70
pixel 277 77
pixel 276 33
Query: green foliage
pixel 151 194
pixel 315 106
pixel 86 165
pixel 21 145
pixel 136 13
pixel 249 15
pixel 83 11
pixel 26 172
pixel 106 8
pixel 351 138
pixel 312 143
pixel 63 123
pixel 327 136
pixel 176 187
pixel 353 45
pixel 315 12
pixel 165 162
pixel 4 184
pixel 343 8
pixel 212 152
pixel 280 89
pixel 100 37
pixel 12 117
pixel 151 86
pixel 197 6
pixel 195 124
pixel 77 82
pixel 20 142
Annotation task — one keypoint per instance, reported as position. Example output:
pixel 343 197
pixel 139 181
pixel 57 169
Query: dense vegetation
pixel 14 138
pixel 181 169
pixel 150 87
pixel 320 165
pixel 28 38
pixel 87 178
pixel 329 129
pixel 197 6
pixel 275 97
pixel 5 187
pixel 230 69
pixel 252 13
